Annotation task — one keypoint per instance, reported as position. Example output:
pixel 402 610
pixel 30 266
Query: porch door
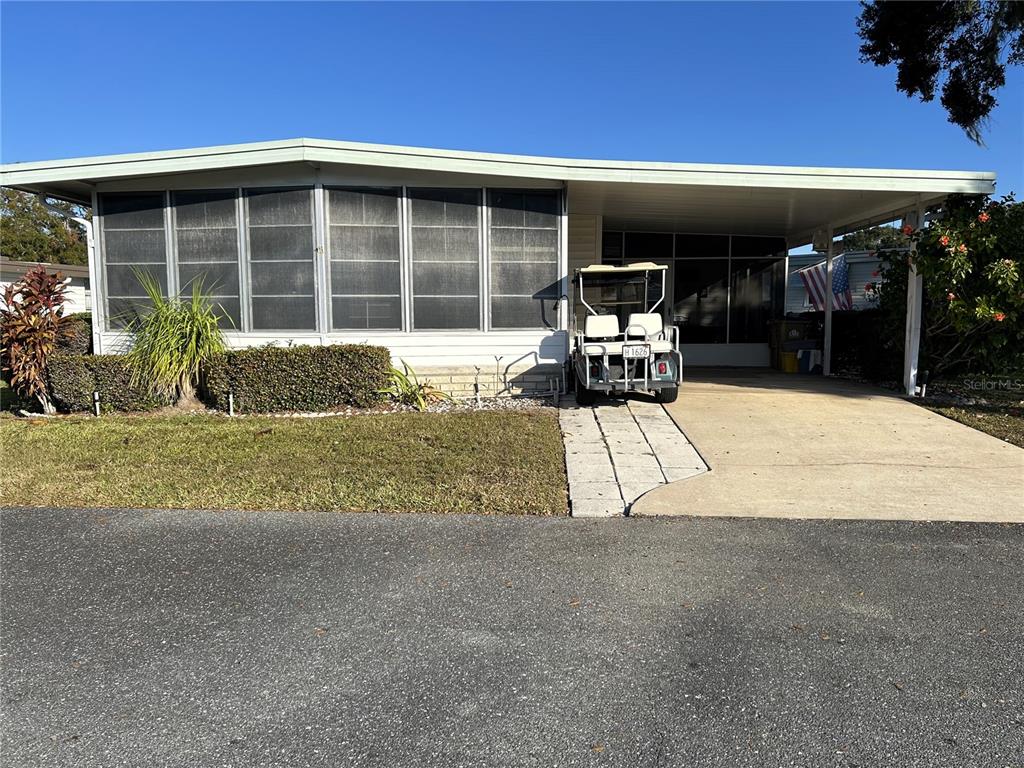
pixel 700 300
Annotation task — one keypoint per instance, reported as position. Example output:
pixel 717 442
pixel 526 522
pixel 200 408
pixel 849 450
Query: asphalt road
pixel 264 639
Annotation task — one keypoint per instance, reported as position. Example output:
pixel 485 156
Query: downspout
pixel 90 253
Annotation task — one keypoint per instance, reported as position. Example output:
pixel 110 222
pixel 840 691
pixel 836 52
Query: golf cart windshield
pixel 603 289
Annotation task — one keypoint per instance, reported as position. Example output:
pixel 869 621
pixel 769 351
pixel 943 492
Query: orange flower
pixel 983 217
pixel 962 248
pixel 944 239
pixel 999 316
pixel 907 229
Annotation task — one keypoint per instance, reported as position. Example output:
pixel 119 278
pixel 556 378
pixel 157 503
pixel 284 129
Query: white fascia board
pixel 151 163
pixel 445 161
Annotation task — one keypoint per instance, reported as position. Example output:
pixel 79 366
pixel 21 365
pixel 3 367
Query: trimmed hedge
pixel 304 378
pixel 73 378
pixel 75 334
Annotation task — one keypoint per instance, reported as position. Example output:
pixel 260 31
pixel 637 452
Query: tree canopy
pixel 31 232
pixel 875 239
pixel 962 46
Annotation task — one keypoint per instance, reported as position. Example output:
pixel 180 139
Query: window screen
pixel 647 246
pixel 281 271
pixel 133 244
pixel 612 249
pixel 524 259
pixel 445 230
pixel 363 239
pixel 206 240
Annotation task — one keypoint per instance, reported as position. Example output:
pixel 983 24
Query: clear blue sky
pixel 732 82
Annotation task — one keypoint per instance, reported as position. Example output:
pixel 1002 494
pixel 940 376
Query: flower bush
pixel 971 261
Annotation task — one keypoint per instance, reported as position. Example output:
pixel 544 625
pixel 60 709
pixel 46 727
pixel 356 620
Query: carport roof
pixel 759 199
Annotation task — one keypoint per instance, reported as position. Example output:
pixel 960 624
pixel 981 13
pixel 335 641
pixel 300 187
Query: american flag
pixel 815 281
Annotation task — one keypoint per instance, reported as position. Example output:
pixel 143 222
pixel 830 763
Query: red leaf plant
pixel 30 315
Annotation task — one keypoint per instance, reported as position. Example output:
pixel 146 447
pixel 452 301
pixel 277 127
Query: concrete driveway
pixel 802 446
pixel 292 640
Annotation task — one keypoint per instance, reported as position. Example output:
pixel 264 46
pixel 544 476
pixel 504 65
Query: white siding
pixel 458 349
pixel 584 249
pixel 584 241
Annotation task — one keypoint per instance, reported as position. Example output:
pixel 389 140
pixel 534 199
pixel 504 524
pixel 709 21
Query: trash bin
pixel 789 362
pixel 784 333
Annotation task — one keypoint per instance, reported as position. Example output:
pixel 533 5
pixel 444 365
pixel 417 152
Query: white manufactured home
pixel 460 262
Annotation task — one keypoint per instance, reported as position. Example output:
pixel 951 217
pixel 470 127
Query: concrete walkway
pixel 805 447
pixel 620 449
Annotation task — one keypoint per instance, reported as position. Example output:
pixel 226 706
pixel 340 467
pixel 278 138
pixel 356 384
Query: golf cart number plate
pixel 636 351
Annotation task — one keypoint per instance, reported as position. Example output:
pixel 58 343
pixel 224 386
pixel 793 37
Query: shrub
pixel 173 340
pixel 972 267
pixel 406 388
pixel 860 346
pixel 305 378
pixel 75 334
pixel 73 378
pixel 30 315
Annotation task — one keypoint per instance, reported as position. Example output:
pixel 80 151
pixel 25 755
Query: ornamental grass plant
pixel 172 342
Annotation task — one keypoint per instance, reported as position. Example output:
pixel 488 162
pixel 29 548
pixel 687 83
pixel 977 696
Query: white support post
pixel 565 305
pixel 915 289
pixel 94 282
pixel 826 363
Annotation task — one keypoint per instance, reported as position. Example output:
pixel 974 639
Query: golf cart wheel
pixel 584 396
pixel 667 395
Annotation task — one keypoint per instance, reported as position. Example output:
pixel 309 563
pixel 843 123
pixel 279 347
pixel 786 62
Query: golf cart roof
pixel 605 269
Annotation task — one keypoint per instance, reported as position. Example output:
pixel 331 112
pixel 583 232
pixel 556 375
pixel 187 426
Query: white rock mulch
pixel 443 406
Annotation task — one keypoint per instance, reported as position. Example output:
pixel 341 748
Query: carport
pixel 725 230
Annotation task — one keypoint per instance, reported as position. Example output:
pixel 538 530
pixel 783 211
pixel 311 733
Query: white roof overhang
pixel 789 201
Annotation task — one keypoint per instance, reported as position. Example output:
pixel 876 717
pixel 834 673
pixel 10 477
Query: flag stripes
pixel 815 280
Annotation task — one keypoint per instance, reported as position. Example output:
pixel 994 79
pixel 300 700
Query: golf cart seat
pixel 654 329
pixel 599 335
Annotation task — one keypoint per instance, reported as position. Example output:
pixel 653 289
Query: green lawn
pixel 485 462
pixel 1003 421
pixel 997 410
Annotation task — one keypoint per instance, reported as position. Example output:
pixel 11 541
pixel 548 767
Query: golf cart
pixel 623 345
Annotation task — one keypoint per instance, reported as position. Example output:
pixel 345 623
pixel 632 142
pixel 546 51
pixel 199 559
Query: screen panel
pixel 206 244
pixel 700 300
pixel 524 275
pixel 445 255
pixel 757 288
pixel 134 244
pixel 364 247
pixel 279 231
pixel 647 246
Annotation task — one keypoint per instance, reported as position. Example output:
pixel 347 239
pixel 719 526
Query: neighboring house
pixel 863 268
pixel 77 297
pixel 459 262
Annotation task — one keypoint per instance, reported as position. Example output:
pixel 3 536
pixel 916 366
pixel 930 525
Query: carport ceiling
pixel 794 213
